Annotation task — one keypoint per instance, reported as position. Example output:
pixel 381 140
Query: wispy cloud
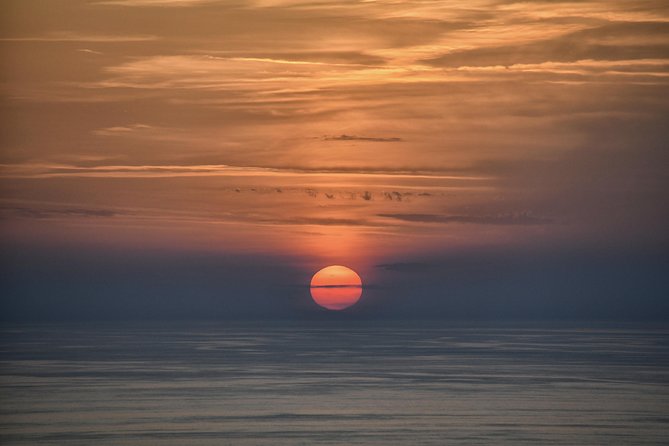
pixel 512 218
pixel 37 170
pixel 158 3
pixel 263 76
pixel 345 137
pixel 89 51
pixel 608 42
pixel 45 212
pixel 406 267
pixel 71 36
pixel 635 67
pixel 122 130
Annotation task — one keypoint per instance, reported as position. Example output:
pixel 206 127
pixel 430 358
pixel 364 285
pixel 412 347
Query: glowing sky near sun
pixel 339 131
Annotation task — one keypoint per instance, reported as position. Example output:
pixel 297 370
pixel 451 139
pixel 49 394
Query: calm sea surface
pixel 332 383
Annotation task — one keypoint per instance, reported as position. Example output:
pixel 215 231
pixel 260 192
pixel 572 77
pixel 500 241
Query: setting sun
pixel 336 287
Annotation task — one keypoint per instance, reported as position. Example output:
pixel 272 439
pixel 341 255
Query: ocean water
pixel 333 383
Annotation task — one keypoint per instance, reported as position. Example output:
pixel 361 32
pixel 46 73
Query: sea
pixel 333 383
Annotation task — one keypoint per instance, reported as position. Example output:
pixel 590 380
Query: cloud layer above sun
pixel 335 128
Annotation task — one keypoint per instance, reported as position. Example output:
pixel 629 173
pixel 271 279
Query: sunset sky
pixel 202 158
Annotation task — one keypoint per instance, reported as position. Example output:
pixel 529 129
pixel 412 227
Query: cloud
pixel 582 70
pixel 40 170
pixel 327 57
pixel 344 137
pixel 122 130
pixel 398 196
pixel 336 286
pixel 406 267
pixel 609 42
pixel 246 78
pixel 89 51
pixel 515 218
pixel 157 3
pixel 141 215
pixel 69 36
pixel 311 221
pixel 51 212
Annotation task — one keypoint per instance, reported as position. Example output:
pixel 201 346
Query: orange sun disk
pixel 336 287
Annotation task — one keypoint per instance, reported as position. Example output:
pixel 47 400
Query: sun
pixel 336 287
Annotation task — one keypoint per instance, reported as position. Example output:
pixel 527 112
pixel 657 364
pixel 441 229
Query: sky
pixel 203 159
